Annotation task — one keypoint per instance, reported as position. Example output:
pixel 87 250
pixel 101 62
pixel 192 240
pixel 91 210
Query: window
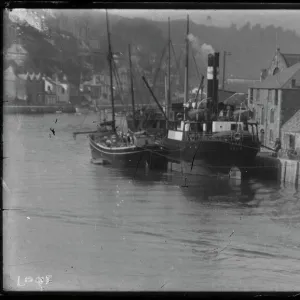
pixel 271 135
pixel 233 127
pixel 251 96
pixel 272 116
pixel 292 142
pixel 257 95
pixel 262 116
pixel 269 95
pixel 293 84
pixel 276 70
pixel 276 98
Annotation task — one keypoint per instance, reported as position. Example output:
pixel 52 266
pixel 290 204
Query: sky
pixel 288 19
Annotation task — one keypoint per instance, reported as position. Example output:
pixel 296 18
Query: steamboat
pixel 211 137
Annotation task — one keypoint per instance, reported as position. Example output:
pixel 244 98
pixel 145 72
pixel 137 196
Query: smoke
pixel 203 49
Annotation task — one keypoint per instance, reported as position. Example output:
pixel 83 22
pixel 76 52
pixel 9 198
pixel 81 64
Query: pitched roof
pixel 9 71
pixel 291 59
pixel 224 94
pixel 237 99
pixel 278 80
pixel 27 67
pixel 293 124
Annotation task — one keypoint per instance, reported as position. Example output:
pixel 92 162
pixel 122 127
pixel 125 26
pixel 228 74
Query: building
pixel 50 91
pixel 17 53
pixel 279 63
pixel 224 94
pixel 124 79
pixel 57 90
pixel 14 86
pixel 274 101
pixel 34 87
pixel 290 133
pixel 62 88
pixel 98 88
pixel 238 100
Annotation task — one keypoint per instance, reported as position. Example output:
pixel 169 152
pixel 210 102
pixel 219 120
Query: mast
pixel 169 71
pixel 186 82
pixel 224 64
pixel 110 74
pixel 131 86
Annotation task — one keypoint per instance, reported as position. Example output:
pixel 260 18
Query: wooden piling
pixel 297 175
pixel 283 175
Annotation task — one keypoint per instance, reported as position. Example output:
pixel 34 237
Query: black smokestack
pixel 210 78
pixel 216 61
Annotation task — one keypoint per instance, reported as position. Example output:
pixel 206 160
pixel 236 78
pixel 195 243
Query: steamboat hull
pixel 151 156
pixel 215 155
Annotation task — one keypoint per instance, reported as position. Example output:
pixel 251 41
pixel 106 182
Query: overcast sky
pixel 289 19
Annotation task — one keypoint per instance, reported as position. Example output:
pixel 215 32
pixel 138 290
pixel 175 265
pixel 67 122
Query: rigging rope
pixel 177 61
pixel 118 82
pixel 196 66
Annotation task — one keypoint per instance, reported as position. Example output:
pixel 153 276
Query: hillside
pixel 59 41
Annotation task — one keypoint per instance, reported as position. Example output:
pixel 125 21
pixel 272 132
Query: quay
pixel 282 169
pixel 49 109
pixel 37 109
pixel 266 167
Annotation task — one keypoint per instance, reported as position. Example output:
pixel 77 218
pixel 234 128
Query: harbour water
pixel 86 227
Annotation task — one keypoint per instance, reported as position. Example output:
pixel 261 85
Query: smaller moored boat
pixel 120 149
pixel 127 150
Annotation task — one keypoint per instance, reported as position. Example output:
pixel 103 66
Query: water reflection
pixel 142 228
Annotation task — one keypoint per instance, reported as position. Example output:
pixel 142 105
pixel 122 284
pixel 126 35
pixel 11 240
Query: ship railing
pixel 195 129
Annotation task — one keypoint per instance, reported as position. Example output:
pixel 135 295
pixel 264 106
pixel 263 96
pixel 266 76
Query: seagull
pixel 53 131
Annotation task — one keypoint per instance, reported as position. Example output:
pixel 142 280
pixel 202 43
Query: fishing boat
pixel 130 150
pixel 116 147
pixel 212 139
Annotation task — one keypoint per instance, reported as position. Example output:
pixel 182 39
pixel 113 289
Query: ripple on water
pixel 99 218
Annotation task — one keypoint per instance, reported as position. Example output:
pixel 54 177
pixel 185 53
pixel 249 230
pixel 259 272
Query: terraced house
pixel 23 87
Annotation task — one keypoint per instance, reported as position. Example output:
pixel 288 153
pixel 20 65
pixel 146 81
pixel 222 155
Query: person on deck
pixel 277 146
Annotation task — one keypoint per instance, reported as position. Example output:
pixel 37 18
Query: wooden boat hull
pixel 152 156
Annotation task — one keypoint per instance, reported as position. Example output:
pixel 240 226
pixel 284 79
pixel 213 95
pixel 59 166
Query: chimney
pixel 263 74
pixel 210 77
pixel 216 63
